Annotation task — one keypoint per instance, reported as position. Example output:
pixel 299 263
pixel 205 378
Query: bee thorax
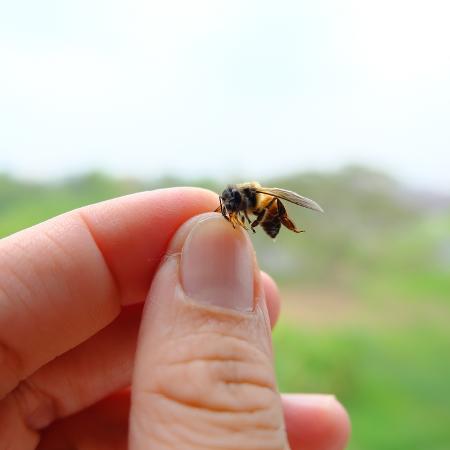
pixel 236 199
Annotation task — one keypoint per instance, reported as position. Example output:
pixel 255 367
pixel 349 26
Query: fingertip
pixel 339 425
pixel 316 422
pixel 133 232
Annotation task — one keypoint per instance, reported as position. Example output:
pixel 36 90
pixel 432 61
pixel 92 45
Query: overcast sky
pixel 223 88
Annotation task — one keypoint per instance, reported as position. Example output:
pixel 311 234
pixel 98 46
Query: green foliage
pixel 23 204
pixel 394 384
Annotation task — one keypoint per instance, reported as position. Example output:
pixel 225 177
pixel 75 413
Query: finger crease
pixel 91 232
pixel 201 406
pixel 12 368
pixel 37 408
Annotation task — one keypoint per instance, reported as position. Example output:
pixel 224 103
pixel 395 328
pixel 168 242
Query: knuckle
pixel 223 383
pixel 37 408
pixel 221 374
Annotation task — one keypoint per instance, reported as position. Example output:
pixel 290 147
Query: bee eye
pixel 237 196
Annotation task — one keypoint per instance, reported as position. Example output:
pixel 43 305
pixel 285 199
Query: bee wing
pixel 290 196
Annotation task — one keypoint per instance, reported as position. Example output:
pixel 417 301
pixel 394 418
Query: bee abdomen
pixel 271 225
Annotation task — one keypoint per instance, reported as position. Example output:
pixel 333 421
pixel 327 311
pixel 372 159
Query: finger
pixel 272 295
pixel 315 422
pixel 204 376
pixel 99 366
pixel 103 426
pixel 65 279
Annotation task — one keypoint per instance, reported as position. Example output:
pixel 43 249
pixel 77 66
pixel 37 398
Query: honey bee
pixel 239 200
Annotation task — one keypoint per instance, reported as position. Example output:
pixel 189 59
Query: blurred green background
pixel 366 292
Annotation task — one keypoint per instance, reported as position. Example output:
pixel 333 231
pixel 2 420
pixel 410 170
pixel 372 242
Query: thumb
pixel 204 377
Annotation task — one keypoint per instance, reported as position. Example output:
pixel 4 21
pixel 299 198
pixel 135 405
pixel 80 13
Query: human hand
pixel 71 296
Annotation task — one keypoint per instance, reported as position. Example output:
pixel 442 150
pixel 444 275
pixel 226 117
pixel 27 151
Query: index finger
pixel 65 279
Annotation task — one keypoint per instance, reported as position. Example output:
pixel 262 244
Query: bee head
pixel 231 198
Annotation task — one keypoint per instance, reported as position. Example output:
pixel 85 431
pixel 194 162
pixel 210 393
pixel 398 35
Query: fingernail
pixel 217 265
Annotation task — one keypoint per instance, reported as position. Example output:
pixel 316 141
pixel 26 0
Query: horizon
pixel 224 179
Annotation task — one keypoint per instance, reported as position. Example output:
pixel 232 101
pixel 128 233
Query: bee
pixel 239 200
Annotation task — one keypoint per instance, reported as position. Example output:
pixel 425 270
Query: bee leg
pixel 260 216
pixel 222 209
pixel 285 220
pixel 271 202
pixel 246 216
pixel 249 221
pixel 256 222
pixel 232 219
pixel 242 222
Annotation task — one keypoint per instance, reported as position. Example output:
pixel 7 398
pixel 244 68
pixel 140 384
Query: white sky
pixel 202 87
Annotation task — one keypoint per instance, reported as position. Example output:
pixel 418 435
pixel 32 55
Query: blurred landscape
pixel 366 292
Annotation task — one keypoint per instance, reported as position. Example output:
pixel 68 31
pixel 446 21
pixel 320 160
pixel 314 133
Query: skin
pixel 71 303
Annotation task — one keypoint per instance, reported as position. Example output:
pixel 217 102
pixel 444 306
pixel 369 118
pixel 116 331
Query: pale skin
pixel 72 291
